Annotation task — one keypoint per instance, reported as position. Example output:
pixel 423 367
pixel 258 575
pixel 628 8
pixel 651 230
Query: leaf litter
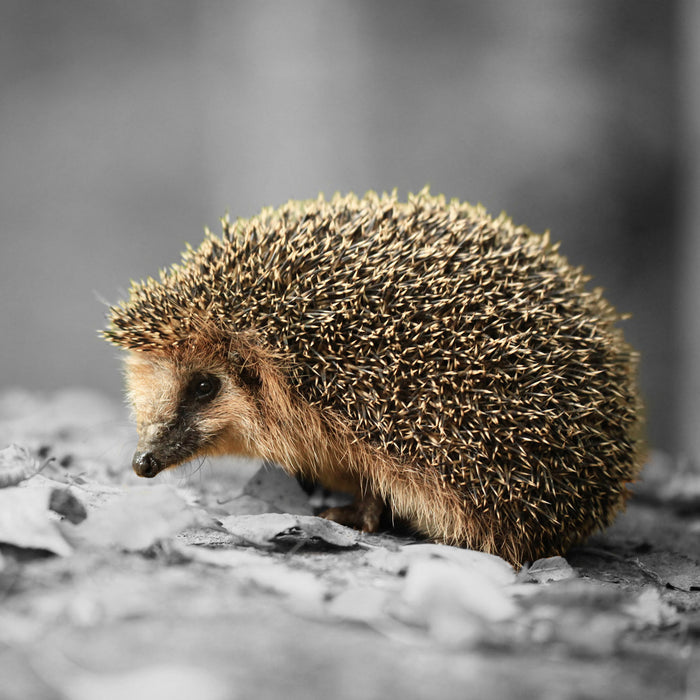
pixel 17 464
pixel 260 534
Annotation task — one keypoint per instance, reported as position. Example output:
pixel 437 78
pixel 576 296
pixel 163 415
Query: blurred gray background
pixel 126 127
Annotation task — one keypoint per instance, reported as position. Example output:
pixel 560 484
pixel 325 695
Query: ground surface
pixel 203 585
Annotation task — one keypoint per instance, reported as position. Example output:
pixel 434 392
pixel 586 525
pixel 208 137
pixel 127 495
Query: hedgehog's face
pixel 184 411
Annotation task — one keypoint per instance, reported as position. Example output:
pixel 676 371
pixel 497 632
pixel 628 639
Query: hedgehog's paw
pixel 362 514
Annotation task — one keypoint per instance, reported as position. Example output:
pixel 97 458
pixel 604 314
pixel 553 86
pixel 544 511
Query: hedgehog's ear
pixel 247 368
pixel 250 377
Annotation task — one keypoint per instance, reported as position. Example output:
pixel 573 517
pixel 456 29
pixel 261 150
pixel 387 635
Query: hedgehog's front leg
pixel 364 513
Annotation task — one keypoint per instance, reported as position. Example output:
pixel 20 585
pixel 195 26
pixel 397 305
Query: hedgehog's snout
pixel 146 464
pixel 149 457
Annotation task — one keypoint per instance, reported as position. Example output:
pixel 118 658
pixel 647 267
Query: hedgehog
pixel 440 365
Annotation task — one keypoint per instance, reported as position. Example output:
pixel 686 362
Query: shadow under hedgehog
pixel 420 355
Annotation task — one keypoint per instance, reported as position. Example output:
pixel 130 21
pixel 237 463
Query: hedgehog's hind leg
pixel 364 513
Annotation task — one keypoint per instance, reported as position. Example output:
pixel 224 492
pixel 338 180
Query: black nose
pixel 146 464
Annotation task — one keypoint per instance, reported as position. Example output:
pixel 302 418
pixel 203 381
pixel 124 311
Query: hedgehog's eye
pixel 203 387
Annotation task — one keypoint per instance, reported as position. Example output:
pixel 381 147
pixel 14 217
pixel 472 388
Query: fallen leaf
pixel 16 465
pixel 442 585
pixel 268 529
pixel 26 521
pixel 548 569
pixel 135 520
pixel 456 594
pixel 490 566
pixel 456 606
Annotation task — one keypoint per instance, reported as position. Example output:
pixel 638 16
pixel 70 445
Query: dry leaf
pixel 268 529
pixel 456 606
pixel 456 594
pixel 16 465
pixel 135 520
pixel 497 570
pixel 436 584
pixel 548 569
pixel 26 521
